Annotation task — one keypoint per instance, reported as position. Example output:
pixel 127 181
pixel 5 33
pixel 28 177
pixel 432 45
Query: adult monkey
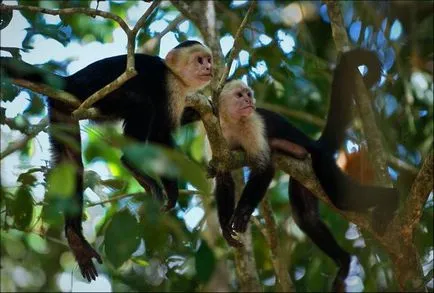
pixel 260 132
pixel 151 105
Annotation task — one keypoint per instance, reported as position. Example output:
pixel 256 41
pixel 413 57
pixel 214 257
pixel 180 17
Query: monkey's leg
pixel 147 182
pixel 163 136
pixel 139 127
pixel 225 199
pixel 289 148
pixel 81 249
pixel 253 193
pixel 306 214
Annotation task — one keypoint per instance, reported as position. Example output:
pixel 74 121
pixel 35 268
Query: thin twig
pixel 130 70
pixel 68 11
pixel 235 50
pixel 48 91
pixel 21 143
pixel 121 196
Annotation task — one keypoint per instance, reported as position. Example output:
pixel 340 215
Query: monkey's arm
pixel 253 193
pixel 225 199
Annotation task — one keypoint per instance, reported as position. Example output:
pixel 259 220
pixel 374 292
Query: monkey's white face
pixel 193 65
pixel 237 100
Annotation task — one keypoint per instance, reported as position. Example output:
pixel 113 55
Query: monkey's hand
pixel 229 234
pixel 241 218
pixel 83 254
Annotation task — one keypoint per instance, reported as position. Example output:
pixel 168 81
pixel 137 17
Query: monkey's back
pixel 143 93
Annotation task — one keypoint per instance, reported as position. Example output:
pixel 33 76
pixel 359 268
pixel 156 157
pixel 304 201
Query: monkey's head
pixel 192 63
pixel 236 101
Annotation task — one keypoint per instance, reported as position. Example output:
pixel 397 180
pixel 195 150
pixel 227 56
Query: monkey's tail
pixel 342 93
pixel 345 192
pixel 14 68
pixel 348 194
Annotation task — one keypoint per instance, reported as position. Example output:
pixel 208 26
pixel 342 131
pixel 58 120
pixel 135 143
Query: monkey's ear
pixel 171 58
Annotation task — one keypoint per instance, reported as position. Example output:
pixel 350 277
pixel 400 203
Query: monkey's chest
pixel 242 139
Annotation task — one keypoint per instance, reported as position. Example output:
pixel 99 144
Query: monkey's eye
pixel 239 94
pixel 200 60
pixel 209 59
pixel 249 94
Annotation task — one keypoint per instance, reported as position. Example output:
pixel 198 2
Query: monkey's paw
pixel 241 219
pixel 229 235
pixel 83 254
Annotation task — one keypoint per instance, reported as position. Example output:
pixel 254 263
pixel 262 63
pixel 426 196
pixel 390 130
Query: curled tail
pixel 19 69
pixel 342 92
pixel 343 191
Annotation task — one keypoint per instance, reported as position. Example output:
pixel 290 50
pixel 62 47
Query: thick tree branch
pixel 271 234
pixel 420 190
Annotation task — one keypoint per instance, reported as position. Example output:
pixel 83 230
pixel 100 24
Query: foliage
pixel 287 57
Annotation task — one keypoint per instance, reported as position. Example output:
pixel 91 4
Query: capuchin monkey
pixel 262 131
pixel 151 105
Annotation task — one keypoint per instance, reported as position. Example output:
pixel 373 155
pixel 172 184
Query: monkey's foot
pixel 229 235
pixel 240 220
pixel 83 254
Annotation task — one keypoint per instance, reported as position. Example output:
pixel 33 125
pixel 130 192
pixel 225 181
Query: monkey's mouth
pixel 249 107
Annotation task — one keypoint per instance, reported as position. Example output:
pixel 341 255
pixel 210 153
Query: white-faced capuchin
pixel 262 131
pixel 151 105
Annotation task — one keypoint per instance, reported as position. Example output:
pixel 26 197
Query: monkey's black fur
pixel 142 102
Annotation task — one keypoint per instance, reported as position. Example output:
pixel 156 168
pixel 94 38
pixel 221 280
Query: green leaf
pixel 91 179
pixel 61 181
pixel 8 91
pixel 168 162
pixel 121 237
pixel 36 106
pixel 140 262
pixel 22 208
pixel 205 262
pixel 27 179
